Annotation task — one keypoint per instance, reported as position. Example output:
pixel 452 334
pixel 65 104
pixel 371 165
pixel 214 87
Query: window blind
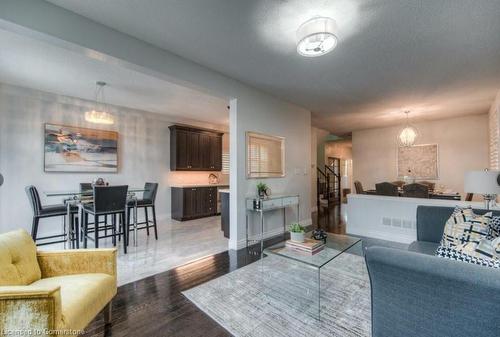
pixel 494 137
pixel 225 163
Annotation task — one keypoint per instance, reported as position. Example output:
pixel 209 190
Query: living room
pixel 170 153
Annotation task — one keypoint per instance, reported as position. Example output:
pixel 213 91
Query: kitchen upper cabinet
pixel 195 149
pixel 215 160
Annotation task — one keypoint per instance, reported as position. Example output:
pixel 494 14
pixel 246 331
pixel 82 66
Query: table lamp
pixel 483 182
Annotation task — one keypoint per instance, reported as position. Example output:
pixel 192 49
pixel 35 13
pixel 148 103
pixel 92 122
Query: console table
pixel 263 205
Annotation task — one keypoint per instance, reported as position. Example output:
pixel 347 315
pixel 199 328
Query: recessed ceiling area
pixel 34 64
pixel 436 58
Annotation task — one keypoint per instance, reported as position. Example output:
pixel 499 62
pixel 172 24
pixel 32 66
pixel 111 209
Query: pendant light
pixel 99 115
pixel 316 37
pixel 408 134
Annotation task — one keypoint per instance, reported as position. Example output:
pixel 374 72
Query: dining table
pixel 432 195
pixel 77 198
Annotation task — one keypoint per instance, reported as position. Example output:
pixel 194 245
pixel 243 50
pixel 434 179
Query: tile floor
pixel 178 243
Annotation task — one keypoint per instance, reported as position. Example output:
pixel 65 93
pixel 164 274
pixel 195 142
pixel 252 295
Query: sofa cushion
pixel 83 296
pixel 464 226
pixel 18 262
pixel 423 247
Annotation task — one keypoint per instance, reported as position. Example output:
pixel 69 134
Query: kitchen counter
pixel 198 185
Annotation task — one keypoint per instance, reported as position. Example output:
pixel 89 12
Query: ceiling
pixel 437 58
pixel 38 65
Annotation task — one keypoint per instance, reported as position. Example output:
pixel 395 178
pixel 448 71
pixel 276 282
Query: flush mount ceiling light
pixel 99 115
pixel 408 134
pixel 317 36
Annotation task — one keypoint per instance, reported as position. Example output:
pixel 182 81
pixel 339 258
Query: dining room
pixel 393 176
pixel 86 157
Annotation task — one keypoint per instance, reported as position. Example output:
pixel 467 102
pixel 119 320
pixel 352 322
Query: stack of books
pixel 309 246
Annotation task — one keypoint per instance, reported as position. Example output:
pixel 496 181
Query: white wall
pixel 293 124
pixel 462 146
pixel 251 109
pixel 144 153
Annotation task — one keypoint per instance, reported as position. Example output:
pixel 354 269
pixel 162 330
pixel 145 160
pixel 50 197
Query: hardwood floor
pixel 154 306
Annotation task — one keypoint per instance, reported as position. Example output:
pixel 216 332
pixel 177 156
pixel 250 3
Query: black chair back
pixel 399 183
pixel 469 196
pixel 34 198
pixel 109 199
pixel 429 184
pixel 359 187
pixel 86 189
pixel 416 191
pixel 387 189
pixel 150 192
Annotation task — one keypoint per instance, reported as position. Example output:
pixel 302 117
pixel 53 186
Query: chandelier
pixel 317 36
pixel 408 134
pixel 99 115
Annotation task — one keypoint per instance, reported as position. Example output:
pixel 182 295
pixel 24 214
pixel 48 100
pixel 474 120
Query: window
pixel 494 135
pixel 265 156
pixel 225 163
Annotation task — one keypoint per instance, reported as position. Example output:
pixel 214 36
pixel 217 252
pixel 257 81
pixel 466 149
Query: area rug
pixel 274 297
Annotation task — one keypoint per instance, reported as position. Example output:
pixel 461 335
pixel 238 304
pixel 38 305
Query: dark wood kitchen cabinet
pixel 195 149
pixel 193 202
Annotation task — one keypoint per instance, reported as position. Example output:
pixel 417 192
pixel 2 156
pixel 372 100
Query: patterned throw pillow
pixel 486 253
pixel 464 226
pixel 494 231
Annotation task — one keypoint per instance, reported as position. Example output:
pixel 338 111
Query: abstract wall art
pixel 76 149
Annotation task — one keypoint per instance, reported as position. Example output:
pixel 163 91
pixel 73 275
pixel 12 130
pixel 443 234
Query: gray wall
pixel 143 151
pixel 251 109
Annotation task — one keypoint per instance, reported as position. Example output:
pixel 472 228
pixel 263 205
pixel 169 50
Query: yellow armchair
pixel 57 293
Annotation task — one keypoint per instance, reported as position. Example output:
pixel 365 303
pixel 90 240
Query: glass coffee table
pixel 335 246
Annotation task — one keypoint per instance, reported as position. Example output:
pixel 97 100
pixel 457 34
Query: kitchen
pixel 199 177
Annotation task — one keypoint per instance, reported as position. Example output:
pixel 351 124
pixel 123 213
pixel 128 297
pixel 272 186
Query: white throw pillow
pixel 465 226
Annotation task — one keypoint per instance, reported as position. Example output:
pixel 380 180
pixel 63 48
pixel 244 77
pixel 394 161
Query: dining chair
pixel 416 190
pixel 399 183
pixel 429 184
pixel 147 201
pixel 87 192
pixel 87 196
pixel 108 200
pixel 469 196
pixel 359 187
pixel 50 211
pixel 387 189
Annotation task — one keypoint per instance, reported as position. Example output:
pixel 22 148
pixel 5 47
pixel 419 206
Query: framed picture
pixel 75 149
pixel 419 161
pixel 265 155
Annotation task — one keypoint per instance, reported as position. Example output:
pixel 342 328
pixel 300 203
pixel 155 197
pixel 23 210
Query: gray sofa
pixel 430 227
pixel 415 294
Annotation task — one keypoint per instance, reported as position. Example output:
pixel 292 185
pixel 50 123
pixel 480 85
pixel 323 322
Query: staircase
pixel 328 186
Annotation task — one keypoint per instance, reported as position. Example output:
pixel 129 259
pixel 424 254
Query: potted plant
pixel 261 190
pixel 297 233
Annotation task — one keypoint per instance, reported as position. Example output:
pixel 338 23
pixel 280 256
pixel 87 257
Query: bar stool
pixel 50 211
pixel 147 201
pixel 108 200
pixel 87 197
